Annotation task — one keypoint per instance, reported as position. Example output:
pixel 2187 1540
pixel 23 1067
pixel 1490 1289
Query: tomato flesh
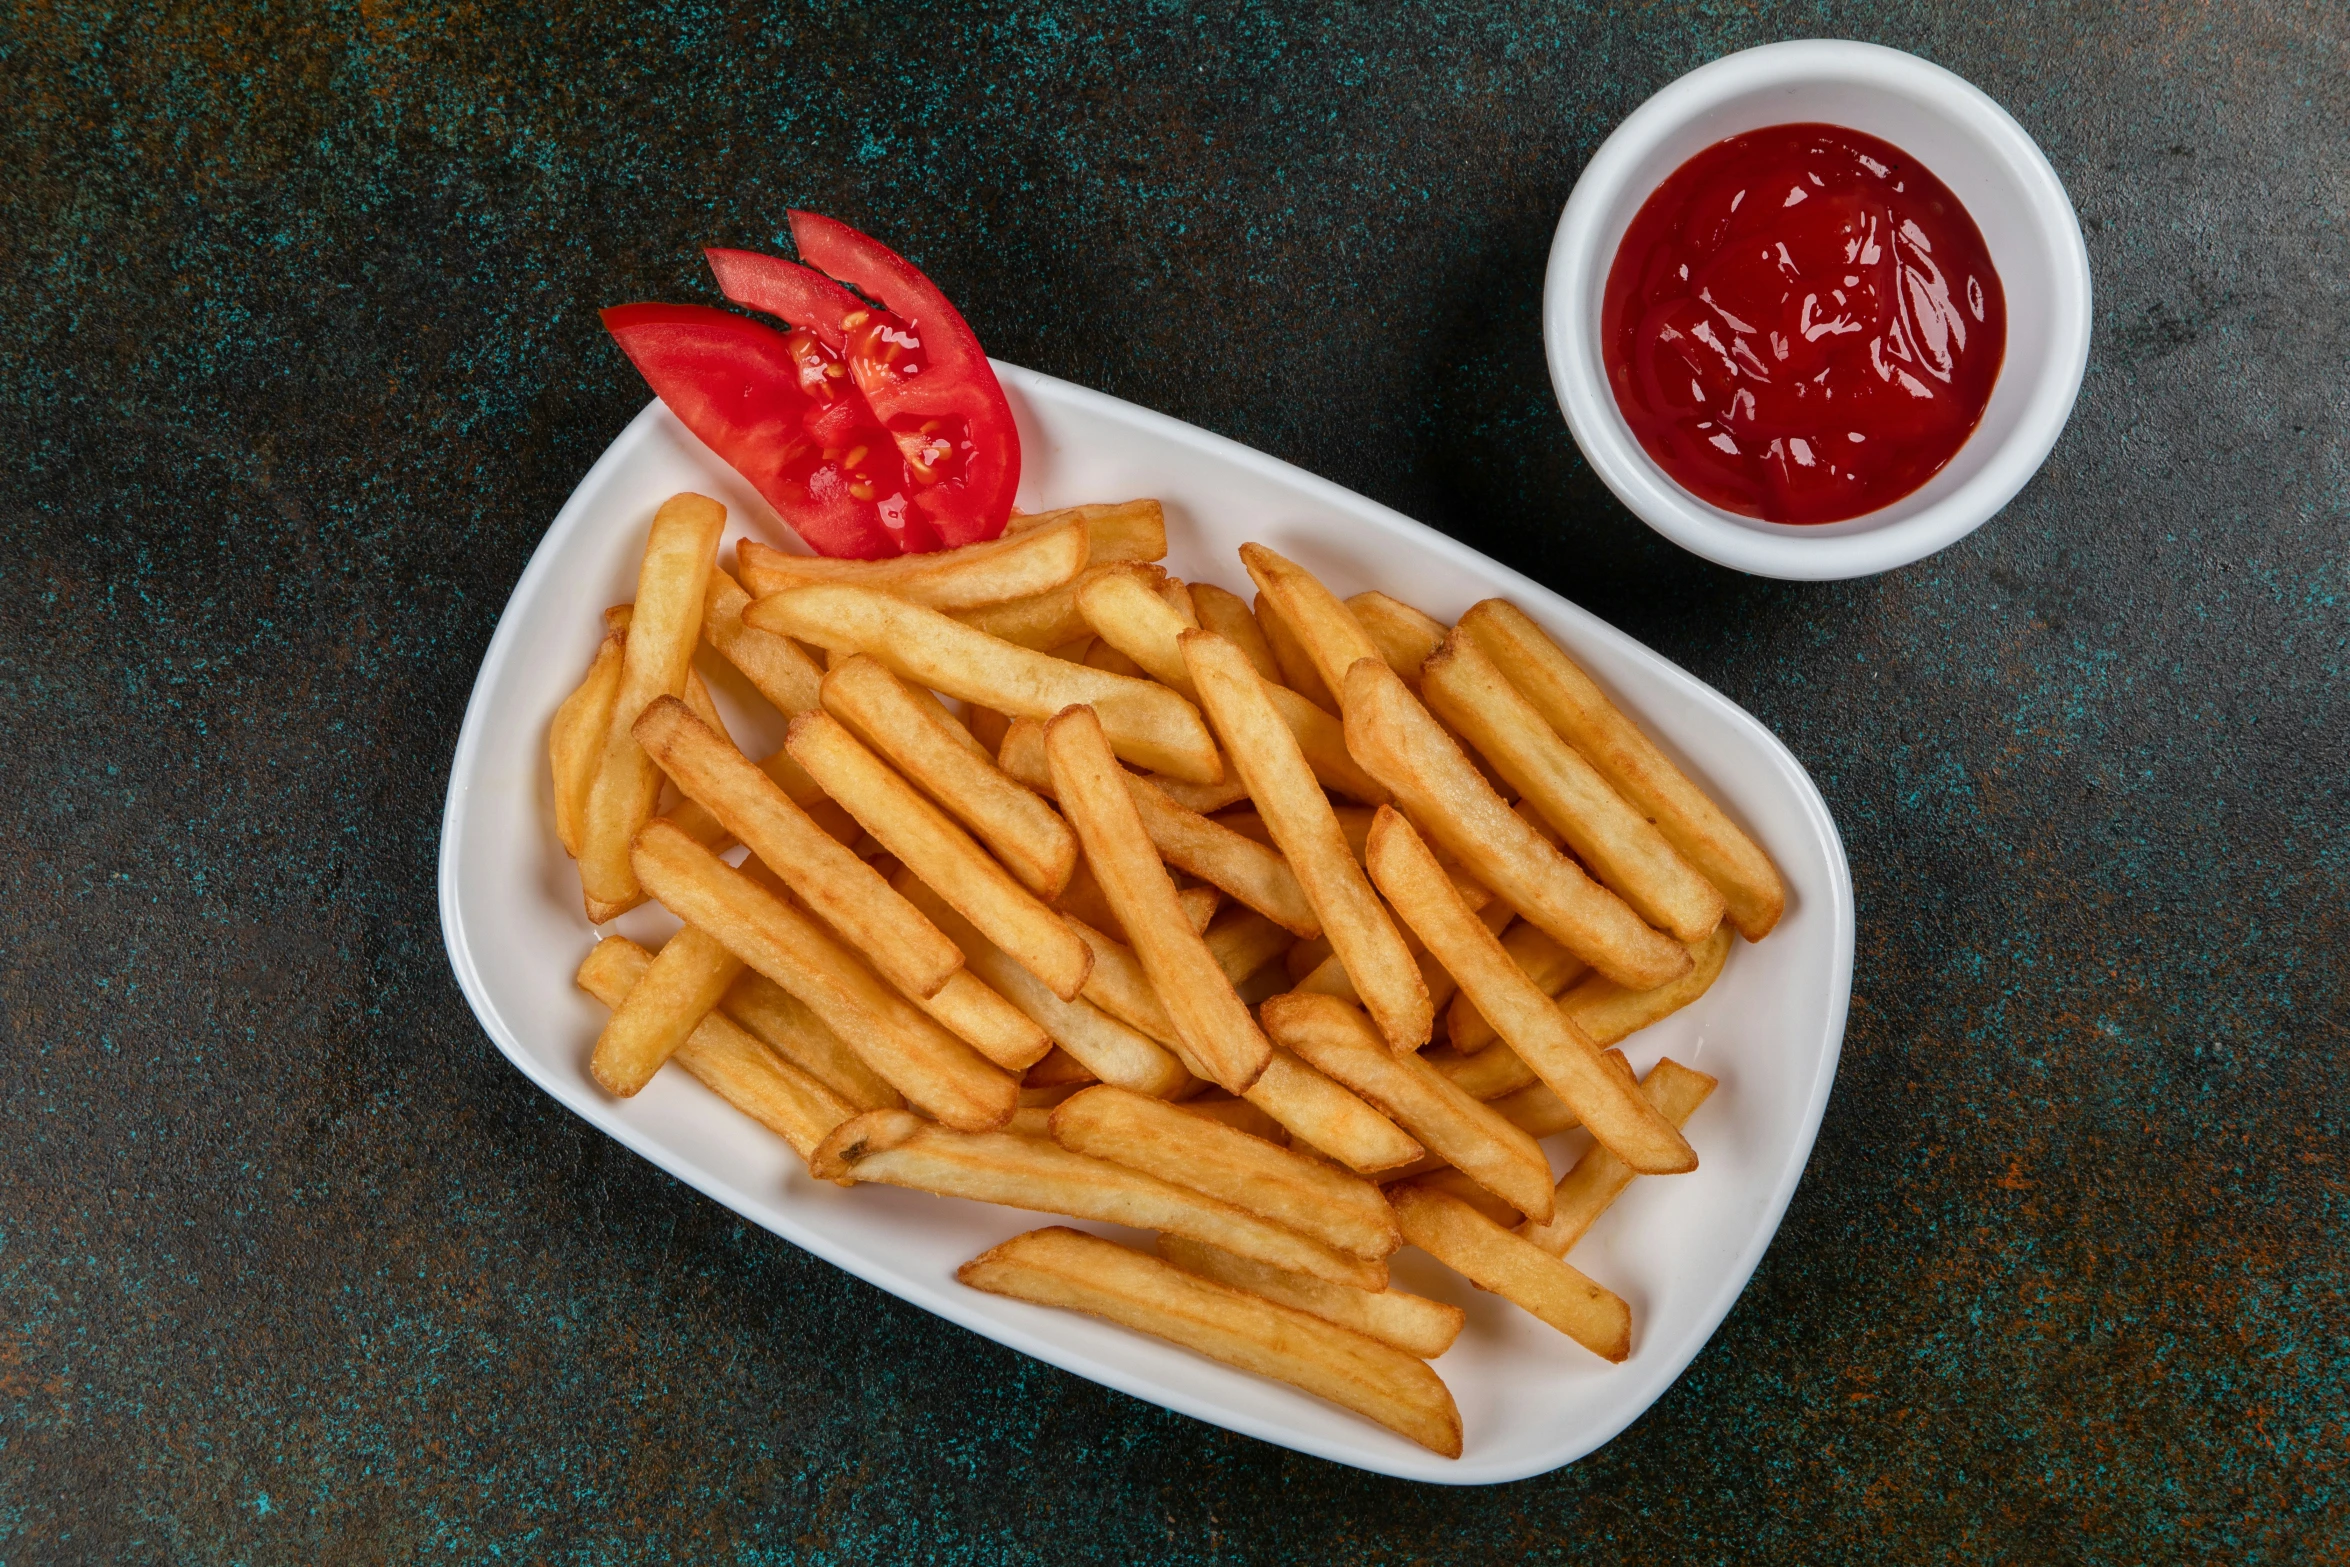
pixel 782 410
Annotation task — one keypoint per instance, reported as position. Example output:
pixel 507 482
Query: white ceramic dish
pixel 1973 146
pixel 1679 1250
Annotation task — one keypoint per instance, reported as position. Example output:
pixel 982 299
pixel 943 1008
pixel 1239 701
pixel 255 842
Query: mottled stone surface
pixel 301 359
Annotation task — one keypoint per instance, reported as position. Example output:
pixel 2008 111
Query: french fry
pixel 654 662
pixel 668 1001
pixel 1211 1021
pixel 987 726
pixel 1266 754
pixel 1244 941
pixel 1325 628
pixel 783 1023
pixel 1058 1067
pixel 1543 1036
pixel 1016 565
pixel 1238 1114
pixel 976 1011
pixel 915 1055
pixel 1538 955
pixel 1105 657
pixel 1405 748
pixel 575 741
pixel 1330 976
pixel 1130 614
pixel 694 819
pixel 1309 1196
pixel 1536 1111
pixel 1599 1177
pixel 1118 985
pixel 1297 665
pixel 1114 530
pixel 1404 636
pixel 1336 1038
pixel 1582 714
pixel 841 889
pixel 1107 1049
pixel 896 1148
pixel 1453 1183
pixel 1304 958
pixel 1600 1007
pixel 1626 854
pixel 1203 798
pixel 776 667
pixel 1227 615
pixel 697 691
pixel 940 757
pixel 1078 1272
pixel 1509 1265
pixel 1084 900
pixel 1251 873
pixel 1146 723
pixel 921 836
pixel 1412 1323
pixel 731 1063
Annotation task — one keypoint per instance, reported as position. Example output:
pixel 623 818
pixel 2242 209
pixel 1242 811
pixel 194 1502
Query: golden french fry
pixel 987 726
pixel 1203 798
pixel 1251 873
pixel 575 741
pixel 982 1016
pixel 1017 565
pixel 1581 713
pixel 733 1065
pixel 1304 958
pixel 1403 635
pixel 1330 976
pixel 1412 1323
pixel 783 1023
pixel 1625 853
pixel 1407 750
pixel 1114 530
pixel 1227 615
pixel 697 691
pixel 1325 629
pixel 664 630
pixel 1213 1024
pixel 1514 1268
pixel 1119 986
pixel 1244 941
pixel 915 1055
pixel 668 1001
pixel 1144 721
pixel 1337 1039
pixel 695 820
pixel 1599 1177
pixel 1127 612
pixel 896 1148
pixel 1265 753
pixel 1538 955
pixel 921 836
pixel 1453 1183
pixel 1296 664
pixel 1106 658
pixel 1236 1113
pixel 1108 1050
pixel 1058 1067
pixel 1600 1007
pixel 776 667
pixel 1031 1121
pixel 1079 1272
pixel 940 757
pixel 842 890
pixel 1330 1118
pixel 1536 1111
pixel 1544 1037
pixel 1308 1195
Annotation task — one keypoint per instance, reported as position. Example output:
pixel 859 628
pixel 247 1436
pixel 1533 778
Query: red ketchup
pixel 1802 324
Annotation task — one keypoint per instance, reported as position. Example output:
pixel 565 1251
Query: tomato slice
pixel 923 373
pixel 779 409
pixel 800 295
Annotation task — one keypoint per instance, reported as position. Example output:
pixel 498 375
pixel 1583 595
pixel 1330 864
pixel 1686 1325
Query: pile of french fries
pixel 1283 931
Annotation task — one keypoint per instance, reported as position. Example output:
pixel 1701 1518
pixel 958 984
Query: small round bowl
pixel 1973 146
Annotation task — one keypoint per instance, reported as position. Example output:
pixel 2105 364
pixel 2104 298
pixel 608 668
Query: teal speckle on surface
pixel 301 359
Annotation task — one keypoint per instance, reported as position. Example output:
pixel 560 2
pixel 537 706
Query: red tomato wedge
pixel 779 409
pixel 786 289
pixel 915 359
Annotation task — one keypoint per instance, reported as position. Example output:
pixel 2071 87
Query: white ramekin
pixel 1973 146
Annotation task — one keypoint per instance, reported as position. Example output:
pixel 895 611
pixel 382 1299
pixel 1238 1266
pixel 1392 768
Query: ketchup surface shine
pixel 1802 324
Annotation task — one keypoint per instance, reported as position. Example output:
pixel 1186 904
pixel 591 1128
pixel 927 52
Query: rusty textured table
pixel 302 356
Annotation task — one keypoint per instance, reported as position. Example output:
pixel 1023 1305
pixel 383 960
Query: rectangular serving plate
pixel 1678 1249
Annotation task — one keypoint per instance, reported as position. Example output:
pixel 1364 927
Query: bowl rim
pixel 1857 547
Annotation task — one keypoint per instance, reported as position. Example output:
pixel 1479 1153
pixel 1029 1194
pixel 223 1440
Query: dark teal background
pixel 301 357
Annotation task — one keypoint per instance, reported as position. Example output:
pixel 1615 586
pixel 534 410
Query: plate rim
pixel 1035 386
